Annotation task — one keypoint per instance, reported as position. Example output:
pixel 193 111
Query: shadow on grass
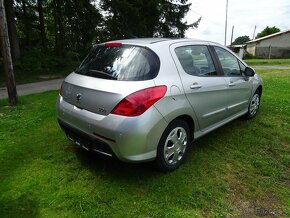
pixel 20 207
pixel 98 163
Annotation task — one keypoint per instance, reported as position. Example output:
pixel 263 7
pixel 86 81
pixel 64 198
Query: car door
pixel 239 86
pixel 204 87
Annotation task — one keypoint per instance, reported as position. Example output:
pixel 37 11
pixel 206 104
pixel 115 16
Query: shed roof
pixel 267 37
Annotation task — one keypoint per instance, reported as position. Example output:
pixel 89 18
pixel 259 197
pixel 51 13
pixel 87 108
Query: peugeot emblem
pixel 79 96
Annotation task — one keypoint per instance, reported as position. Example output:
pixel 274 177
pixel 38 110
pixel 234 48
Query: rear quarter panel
pixel 175 103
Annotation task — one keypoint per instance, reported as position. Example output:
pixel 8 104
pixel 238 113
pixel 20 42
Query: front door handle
pixel 232 84
pixel 195 86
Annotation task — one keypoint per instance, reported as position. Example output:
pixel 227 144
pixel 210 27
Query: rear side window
pixel 196 60
pixel 125 62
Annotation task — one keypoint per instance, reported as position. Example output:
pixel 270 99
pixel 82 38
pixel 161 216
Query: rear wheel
pixel 173 146
pixel 254 105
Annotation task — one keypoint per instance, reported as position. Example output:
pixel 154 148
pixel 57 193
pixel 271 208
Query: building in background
pixel 238 49
pixel 276 45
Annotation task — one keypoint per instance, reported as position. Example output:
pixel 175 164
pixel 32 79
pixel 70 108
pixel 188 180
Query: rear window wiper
pixel 101 73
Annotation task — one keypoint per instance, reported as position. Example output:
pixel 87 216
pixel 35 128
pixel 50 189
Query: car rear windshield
pixel 125 62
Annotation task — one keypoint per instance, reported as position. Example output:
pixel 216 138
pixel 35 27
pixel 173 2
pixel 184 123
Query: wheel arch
pixel 260 89
pixel 189 120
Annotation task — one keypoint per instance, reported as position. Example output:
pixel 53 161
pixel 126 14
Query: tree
pixel 81 24
pixel 7 60
pixel 41 24
pixel 146 18
pixel 26 21
pixel 172 13
pixel 10 15
pixel 267 31
pixel 59 31
pixel 128 19
pixel 72 25
pixel 241 40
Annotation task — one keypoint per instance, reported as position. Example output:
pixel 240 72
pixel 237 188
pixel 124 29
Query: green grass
pixel 235 170
pixel 268 62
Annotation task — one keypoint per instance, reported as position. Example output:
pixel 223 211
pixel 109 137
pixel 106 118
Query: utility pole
pixel 7 60
pixel 232 34
pixel 226 23
pixel 254 32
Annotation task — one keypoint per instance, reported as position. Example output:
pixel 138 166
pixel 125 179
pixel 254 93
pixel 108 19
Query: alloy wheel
pixel 175 146
pixel 254 105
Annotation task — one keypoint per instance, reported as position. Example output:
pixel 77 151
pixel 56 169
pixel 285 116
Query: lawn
pixel 241 169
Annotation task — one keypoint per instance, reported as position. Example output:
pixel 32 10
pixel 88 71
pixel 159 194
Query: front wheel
pixel 173 146
pixel 254 105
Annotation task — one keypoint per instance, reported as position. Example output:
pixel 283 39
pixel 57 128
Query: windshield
pixel 126 62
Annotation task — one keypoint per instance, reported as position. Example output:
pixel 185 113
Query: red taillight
pixel 138 102
pixel 113 44
pixel 60 90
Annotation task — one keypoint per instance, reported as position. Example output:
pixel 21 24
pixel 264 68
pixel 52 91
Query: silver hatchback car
pixel 147 99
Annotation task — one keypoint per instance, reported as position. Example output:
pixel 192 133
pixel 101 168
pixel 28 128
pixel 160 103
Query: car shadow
pixel 220 132
pixel 98 163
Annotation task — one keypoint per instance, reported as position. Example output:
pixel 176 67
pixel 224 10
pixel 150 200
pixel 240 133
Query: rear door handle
pixel 232 84
pixel 195 86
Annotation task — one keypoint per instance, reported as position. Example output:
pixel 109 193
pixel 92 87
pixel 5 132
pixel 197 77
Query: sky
pixel 242 14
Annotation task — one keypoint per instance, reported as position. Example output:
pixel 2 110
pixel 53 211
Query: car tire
pixel 254 105
pixel 173 146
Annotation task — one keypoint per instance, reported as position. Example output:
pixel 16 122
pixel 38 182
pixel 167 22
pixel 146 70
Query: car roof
pixel 148 41
pixel 143 40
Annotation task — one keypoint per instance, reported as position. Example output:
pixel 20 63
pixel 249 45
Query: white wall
pixel 276 41
pixel 276 47
pixel 251 48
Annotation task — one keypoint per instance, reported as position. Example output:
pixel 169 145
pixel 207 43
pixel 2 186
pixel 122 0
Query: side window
pixel 229 62
pixel 196 60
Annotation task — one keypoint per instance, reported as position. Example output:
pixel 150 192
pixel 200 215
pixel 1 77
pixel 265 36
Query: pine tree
pixel 146 18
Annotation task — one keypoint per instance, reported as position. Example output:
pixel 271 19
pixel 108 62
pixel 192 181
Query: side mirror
pixel 249 72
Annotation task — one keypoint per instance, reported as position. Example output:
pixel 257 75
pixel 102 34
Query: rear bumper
pixel 86 141
pixel 128 138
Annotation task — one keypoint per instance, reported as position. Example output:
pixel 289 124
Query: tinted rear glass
pixel 126 62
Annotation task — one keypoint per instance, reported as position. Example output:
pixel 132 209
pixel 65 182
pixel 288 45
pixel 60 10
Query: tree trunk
pixel 41 25
pixel 26 23
pixel 55 27
pixel 7 60
pixel 60 36
pixel 14 42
